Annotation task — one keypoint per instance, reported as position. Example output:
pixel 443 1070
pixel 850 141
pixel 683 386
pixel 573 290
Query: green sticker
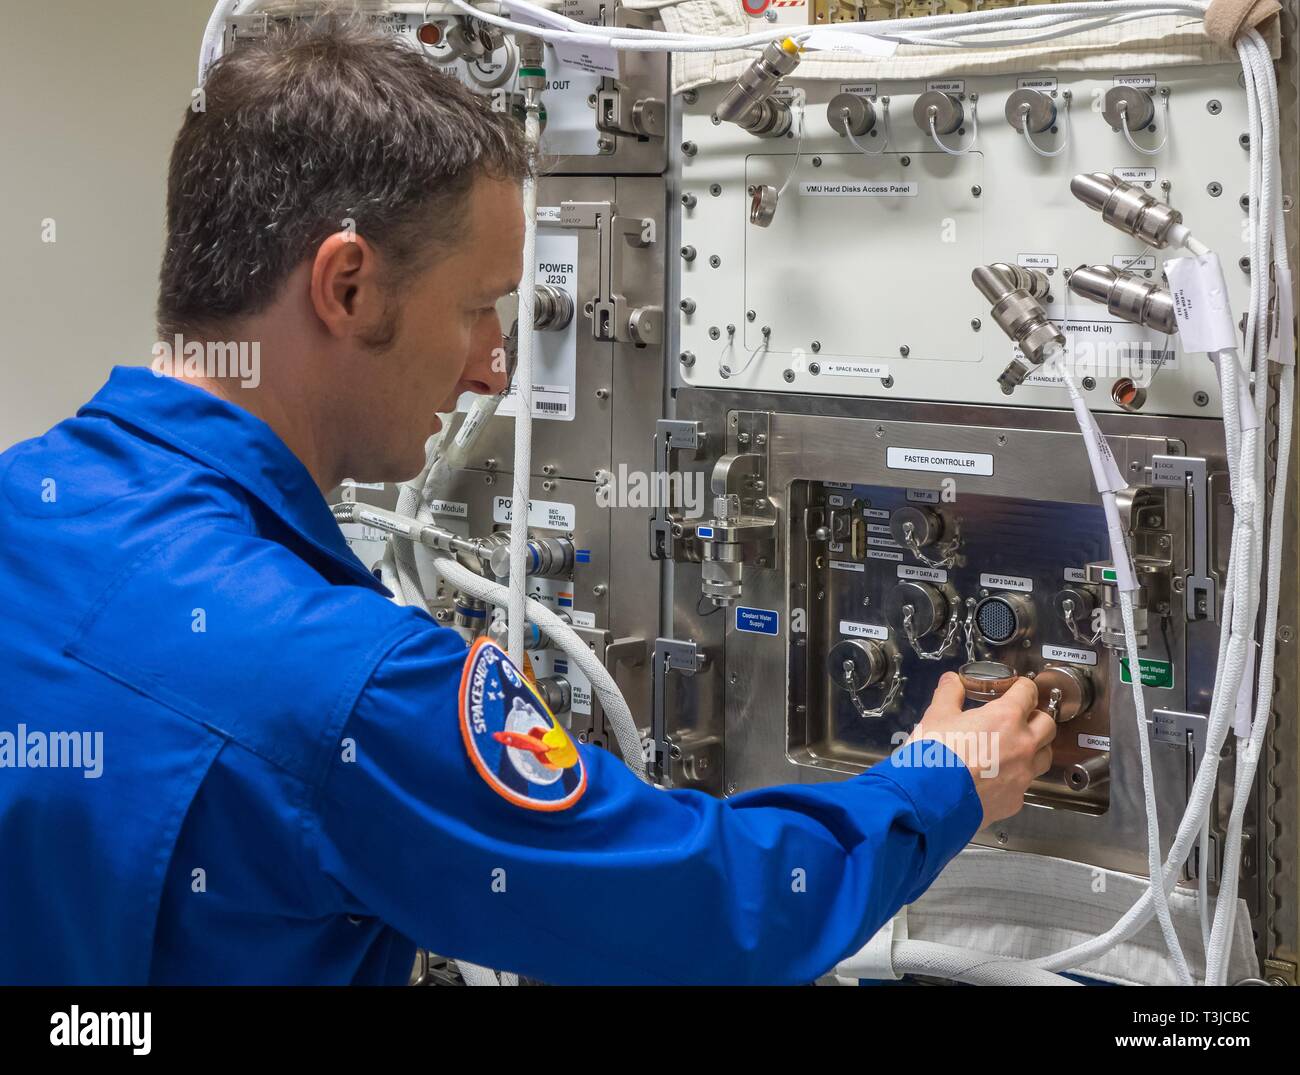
pixel 1108 575
pixel 1154 673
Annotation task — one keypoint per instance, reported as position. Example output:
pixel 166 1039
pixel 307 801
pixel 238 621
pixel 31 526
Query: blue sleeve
pixel 629 884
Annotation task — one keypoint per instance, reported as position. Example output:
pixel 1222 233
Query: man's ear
pixel 344 289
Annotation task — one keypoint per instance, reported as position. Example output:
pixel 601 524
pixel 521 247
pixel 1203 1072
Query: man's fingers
pixel 949 694
pixel 1042 728
pixel 1023 695
pixel 1042 761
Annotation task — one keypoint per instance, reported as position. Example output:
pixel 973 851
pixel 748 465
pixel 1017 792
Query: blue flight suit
pixel 284 793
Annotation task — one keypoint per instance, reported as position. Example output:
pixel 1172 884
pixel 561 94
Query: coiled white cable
pixel 1065 136
pixel 974 133
pixel 1128 135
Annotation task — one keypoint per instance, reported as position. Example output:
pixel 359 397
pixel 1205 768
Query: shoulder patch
pixel 518 747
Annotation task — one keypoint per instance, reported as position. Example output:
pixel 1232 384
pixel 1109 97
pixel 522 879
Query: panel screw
pixel 688 253
pixel 816 346
pixel 1213 107
pixel 548 468
pixel 690 96
pixel 1286 634
pixel 688 200
pixel 1244 140
pixel 1201 399
pixel 715 332
pixel 715 189
pixel 904 350
pixel 975 324
pixel 977 190
pixel 690 149
pixel 687 306
pixel 1244 202
pixel 714 260
pixel 1089 383
pixel 814 368
pixel 602 393
pixel 887 382
pixel 1214 189
pixel 788 375
pixel 817 162
pixel 687 359
pixel 1243 263
pixel 750 315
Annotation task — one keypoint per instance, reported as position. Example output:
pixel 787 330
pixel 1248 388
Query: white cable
pixel 214 34
pixel 620 718
pixel 1065 136
pixel 884 123
pixel 523 464
pixel 974 133
pixel 964 965
pixel 798 154
pixel 1128 135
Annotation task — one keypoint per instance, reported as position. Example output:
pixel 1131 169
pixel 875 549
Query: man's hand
pixel 1005 743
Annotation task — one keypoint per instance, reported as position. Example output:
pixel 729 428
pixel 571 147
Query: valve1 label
pixel 758 621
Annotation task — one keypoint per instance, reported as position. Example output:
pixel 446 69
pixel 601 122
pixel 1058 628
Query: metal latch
pixel 684 658
pixel 1187 730
pixel 613 317
pixel 1189 473
pixel 668 536
pixel 619 111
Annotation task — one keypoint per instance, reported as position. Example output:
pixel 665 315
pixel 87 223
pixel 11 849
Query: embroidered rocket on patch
pixel 525 755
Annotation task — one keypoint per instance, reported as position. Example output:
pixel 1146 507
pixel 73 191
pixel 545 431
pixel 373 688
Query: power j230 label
pixel 518 747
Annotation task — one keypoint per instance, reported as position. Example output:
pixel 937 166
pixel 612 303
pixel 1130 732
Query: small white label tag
pixel 1201 303
pixel 1075 574
pixel 851 44
pixel 582 619
pixel 455 508
pixel 545 514
pixel 1069 654
pixel 952 85
pixel 855 369
pixel 923 496
pixel 923 574
pixel 1134 262
pixel 1036 82
pixel 548 214
pixel 943 462
pixel 879 554
pixel 883 542
pixel 1143 82
pixel 1134 174
pixel 861 89
pixel 1283 350
pixel 863 630
pixel 1006 582
pixel 1036 261
pixel 846 565
pixel 875 513
pixel 850 189
pixel 1094 742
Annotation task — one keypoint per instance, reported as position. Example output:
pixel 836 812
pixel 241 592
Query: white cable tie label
pixel 1201 303
pixel 842 41
pixel 1283 350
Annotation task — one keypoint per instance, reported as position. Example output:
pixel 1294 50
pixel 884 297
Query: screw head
pixel 975 324
pixel 687 306
pixel 1214 189
pixel 750 315
pixel 1286 634
pixel 904 351
pixel 688 200
pixel 887 382
pixel 977 190
pixel 788 375
pixel 1201 399
pixel 714 260
pixel 689 149
pixel 715 333
pixel 715 189
pixel 687 359
pixel 814 368
pixel 1213 107
pixel 905 161
pixel 1089 383
pixel 816 346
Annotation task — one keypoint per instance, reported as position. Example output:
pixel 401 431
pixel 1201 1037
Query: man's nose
pixel 488 368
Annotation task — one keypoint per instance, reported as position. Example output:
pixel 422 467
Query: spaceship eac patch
pixel 516 744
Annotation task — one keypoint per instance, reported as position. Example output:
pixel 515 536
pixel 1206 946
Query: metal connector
pixel 1126 296
pixel 750 104
pixel 1014 294
pixel 1129 208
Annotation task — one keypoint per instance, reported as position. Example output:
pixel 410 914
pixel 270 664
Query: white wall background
pixel 91 95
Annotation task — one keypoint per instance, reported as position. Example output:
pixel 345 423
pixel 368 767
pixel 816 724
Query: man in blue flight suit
pixel 234 759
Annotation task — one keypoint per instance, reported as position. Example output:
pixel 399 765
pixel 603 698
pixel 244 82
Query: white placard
pixel 863 630
pixel 1006 582
pixel 1201 303
pixel 979 463
pixel 851 189
pixel 545 514
pixel 838 368
pixel 846 565
pixel 1069 654
pixel 922 574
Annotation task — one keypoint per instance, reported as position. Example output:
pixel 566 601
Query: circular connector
pixel 1003 618
pixel 986 680
pixel 1032 109
pixel 944 109
pixel 849 112
pixel 1064 692
pixel 855 664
